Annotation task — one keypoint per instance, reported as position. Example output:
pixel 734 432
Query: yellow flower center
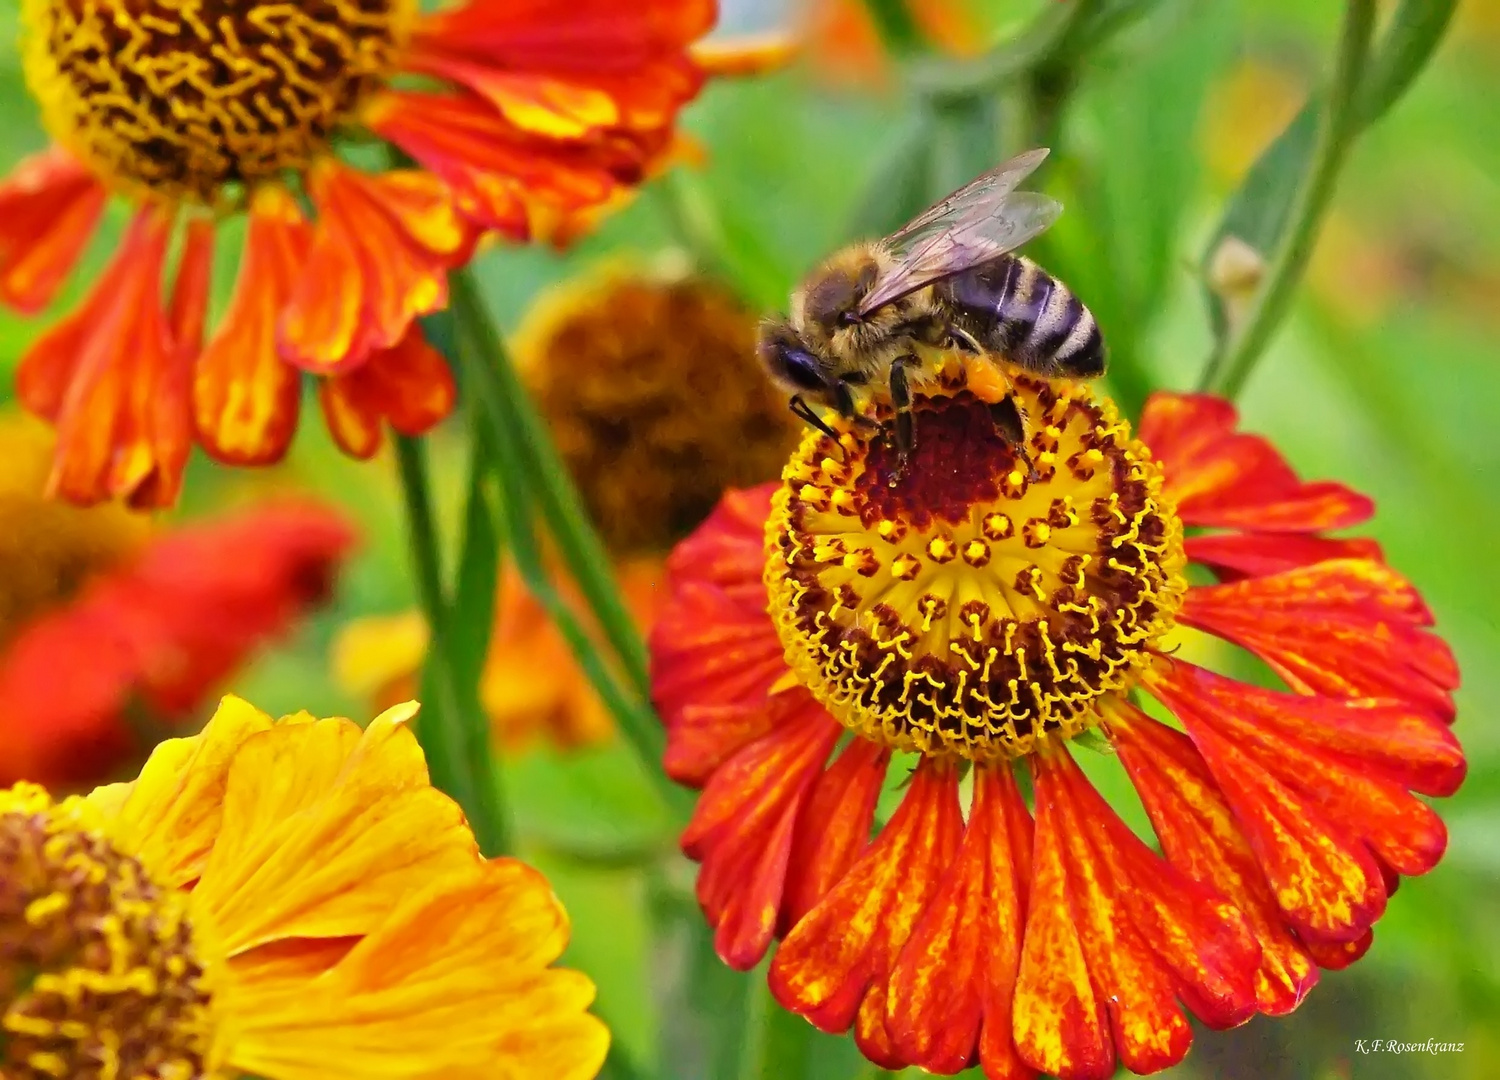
pixel 183 98
pixel 99 974
pixel 966 606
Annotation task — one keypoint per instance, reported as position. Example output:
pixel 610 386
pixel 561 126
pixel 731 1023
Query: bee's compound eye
pixel 802 369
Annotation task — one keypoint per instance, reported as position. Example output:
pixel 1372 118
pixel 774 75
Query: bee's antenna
pixel 803 411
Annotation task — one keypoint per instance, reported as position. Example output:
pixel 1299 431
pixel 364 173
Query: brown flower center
pixel 99 975
pixel 965 606
pixel 182 98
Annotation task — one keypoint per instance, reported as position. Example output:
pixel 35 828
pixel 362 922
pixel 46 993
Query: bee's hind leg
pixel 1010 422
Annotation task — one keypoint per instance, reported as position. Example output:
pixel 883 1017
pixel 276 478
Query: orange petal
pixel 1337 955
pixel 115 383
pixel 850 940
pixel 409 387
pixel 738 55
pixel 743 825
pixel 324 830
pixel 379 259
pixel 1059 1010
pixel 834 828
pixel 454 983
pixel 1235 555
pixel 1344 628
pixel 188 310
pixel 951 991
pixel 1352 759
pixel 1219 477
pixel 245 397
pixel 568 74
pixel 1200 836
pixel 1325 879
pixel 49 208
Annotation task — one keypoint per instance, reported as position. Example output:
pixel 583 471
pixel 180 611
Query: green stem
pixel 510 407
pixel 896 26
pixel 452 729
pixel 1338 125
pixel 1041 43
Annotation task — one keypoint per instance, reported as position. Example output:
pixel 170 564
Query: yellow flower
pixel 289 899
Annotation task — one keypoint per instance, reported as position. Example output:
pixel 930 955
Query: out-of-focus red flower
pixel 155 635
pixel 983 617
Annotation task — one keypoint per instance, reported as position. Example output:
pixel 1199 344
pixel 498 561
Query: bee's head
pixel 792 365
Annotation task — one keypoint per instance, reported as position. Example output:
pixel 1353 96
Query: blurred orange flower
pixel 979 619
pixel 291 899
pixel 845 42
pixel 650 387
pixel 519 114
pixel 104 626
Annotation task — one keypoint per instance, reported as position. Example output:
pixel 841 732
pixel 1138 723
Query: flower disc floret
pixel 99 969
pixel 179 98
pixel 969 604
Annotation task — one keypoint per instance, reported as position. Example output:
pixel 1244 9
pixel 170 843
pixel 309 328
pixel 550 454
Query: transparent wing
pixel 974 225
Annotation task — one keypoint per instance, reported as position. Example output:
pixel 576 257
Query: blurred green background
pixel 1386 376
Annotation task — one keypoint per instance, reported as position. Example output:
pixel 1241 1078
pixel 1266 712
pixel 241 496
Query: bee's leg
pixel 804 412
pixel 906 436
pixel 1011 424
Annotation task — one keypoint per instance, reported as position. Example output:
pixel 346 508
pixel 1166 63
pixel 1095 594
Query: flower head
pixel 290 899
pixel 649 383
pixel 976 614
pixel 517 120
pixel 104 625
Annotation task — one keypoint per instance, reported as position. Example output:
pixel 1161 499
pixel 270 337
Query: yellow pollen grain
pixel 948 629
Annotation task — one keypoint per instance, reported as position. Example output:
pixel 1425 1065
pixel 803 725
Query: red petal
pixel 409 387
pixel 1200 836
pixel 850 939
pixel 568 71
pixel 1060 1024
pixel 1344 628
pixel 1235 555
pixel 245 396
pixel 494 170
pixel 742 830
pixel 1337 955
pixel 379 259
pixel 951 990
pixel 164 630
pixel 834 828
pixel 114 383
pixel 1326 881
pixel 49 208
pixel 188 311
pixel 1219 477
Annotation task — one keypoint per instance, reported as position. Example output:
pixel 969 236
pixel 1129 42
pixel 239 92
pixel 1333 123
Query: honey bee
pixel 887 312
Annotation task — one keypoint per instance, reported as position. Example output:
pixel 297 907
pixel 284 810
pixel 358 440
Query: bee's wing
pixel 974 225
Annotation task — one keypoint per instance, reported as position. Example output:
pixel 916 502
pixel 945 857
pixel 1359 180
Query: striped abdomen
pixel 1013 307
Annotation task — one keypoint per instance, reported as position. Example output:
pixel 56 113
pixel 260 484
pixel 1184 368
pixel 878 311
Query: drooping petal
pixel 187 312
pixel 245 396
pixel 453 983
pixel 495 170
pixel 1220 477
pixel 1234 555
pixel 49 208
pixel 1344 628
pixel 951 991
pixel 568 71
pixel 1200 836
pixel 1324 877
pixel 113 381
pixel 849 941
pixel 1353 759
pixel 743 827
pixel 323 830
pixel 408 386
pixel 834 828
pixel 379 259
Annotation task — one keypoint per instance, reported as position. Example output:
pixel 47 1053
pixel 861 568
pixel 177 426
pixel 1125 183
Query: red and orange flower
pixel 519 117
pixel 983 623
